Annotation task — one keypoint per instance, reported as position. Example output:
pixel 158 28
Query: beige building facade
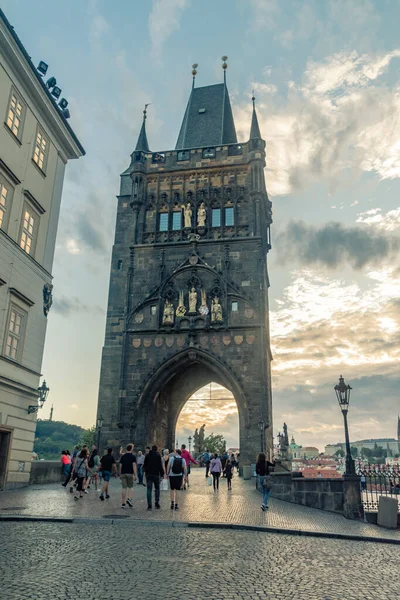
pixel 36 143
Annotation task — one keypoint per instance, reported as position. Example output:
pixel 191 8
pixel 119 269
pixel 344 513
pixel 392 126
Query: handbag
pixel 210 480
pixel 164 485
pixel 267 483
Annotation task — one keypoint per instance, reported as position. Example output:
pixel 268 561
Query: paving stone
pixel 199 504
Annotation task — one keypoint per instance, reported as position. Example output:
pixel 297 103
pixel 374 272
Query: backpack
pixel 81 469
pixel 177 465
pixel 91 461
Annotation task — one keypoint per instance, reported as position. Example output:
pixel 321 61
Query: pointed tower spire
pixel 255 129
pixel 142 143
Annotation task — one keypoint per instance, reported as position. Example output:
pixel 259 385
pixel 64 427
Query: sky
pixel 326 80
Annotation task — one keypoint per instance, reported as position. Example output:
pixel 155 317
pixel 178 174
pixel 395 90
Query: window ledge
pixel 43 174
pixel 34 202
pixel 7 171
pixel 14 137
pixel 21 296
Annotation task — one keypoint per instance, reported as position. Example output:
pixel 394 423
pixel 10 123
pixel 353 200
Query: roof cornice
pixel 14 51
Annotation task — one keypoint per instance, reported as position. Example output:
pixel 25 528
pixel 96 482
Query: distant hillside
pixel 54 436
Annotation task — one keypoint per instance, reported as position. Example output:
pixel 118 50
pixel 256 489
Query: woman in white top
pixel 216 470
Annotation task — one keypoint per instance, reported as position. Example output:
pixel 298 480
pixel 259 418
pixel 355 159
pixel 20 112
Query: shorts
pixel 188 469
pixel 106 476
pixel 175 482
pixel 127 480
pixel 80 480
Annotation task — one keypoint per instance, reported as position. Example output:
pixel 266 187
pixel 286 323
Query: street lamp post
pixel 190 443
pixel 343 396
pixel 43 392
pixel 99 426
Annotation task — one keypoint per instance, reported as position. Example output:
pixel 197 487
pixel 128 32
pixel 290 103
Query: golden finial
pixel 224 64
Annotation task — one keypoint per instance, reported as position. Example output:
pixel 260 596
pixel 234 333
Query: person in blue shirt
pixel 207 458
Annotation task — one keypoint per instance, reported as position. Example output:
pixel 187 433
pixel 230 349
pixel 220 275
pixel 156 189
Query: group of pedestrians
pixel 169 470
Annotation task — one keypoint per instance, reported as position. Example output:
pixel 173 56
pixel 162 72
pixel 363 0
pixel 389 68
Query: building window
pixel 216 217
pixel 235 150
pixel 15 115
pixel 153 310
pixel 163 221
pixel 183 155
pixel 158 157
pixel 235 306
pixel 15 331
pixel 209 153
pixel 5 199
pixel 229 217
pixel 41 150
pixel 30 221
pixel 176 220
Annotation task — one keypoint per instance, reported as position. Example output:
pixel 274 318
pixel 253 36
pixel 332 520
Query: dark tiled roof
pixel 211 127
pixel 33 68
pixel 255 129
pixel 142 143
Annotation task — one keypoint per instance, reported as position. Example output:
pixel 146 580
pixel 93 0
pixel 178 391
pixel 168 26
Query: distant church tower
pixel 188 297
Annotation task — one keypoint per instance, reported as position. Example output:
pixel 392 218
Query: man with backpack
pixel 176 471
pixel 127 474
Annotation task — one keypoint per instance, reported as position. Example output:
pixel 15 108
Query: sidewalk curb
pixel 200 525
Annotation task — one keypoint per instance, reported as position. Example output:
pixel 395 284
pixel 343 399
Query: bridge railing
pixel 377 481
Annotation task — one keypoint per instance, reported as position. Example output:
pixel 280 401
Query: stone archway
pixel 170 387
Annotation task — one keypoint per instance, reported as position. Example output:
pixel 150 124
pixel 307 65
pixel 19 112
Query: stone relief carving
pixel 216 311
pixel 203 310
pixel 201 216
pixel 168 313
pixel 187 215
pixel 192 301
pixel 47 298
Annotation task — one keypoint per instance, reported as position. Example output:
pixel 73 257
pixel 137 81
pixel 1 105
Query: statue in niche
pixel 168 314
pixel 201 216
pixel 192 301
pixel 181 308
pixel 203 307
pixel 216 311
pixel 187 214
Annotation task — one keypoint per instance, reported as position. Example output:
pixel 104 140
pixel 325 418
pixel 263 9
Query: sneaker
pixel 157 505
pixel 129 503
pixel 86 492
pixel 176 507
pixel 143 484
pixel 263 507
pixel 123 505
pixel 101 497
pixel 76 497
pixel 149 508
pixel 172 505
pixel 107 496
pixel 71 489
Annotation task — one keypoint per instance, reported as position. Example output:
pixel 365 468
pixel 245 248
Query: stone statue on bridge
pixel 201 438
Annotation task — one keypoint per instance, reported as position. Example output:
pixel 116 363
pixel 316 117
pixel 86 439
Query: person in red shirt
pixel 188 459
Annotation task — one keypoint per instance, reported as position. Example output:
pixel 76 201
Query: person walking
pixel 188 459
pixel 108 467
pixel 224 460
pixel 206 458
pixel 176 472
pixel 94 463
pixel 215 470
pixel 153 469
pixel 66 466
pixel 127 474
pixel 263 470
pixel 81 470
pixel 139 464
pixel 229 474
pixel 165 461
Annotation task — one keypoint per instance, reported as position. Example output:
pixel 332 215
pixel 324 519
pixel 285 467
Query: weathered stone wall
pixel 325 494
pixel 46 471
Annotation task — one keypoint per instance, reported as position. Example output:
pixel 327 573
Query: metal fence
pixel 376 481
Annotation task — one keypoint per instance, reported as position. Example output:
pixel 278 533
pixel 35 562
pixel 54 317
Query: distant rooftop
pixel 208 119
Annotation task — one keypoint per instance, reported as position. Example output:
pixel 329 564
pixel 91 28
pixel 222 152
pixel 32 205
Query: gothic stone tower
pixel 188 299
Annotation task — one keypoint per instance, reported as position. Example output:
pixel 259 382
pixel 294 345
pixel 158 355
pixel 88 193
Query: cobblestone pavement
pixel 58 561
pixel 198 504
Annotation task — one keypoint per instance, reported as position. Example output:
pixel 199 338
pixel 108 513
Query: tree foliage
pixel 215 443
pixel 53 436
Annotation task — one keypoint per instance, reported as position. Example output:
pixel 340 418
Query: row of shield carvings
pixel 204 340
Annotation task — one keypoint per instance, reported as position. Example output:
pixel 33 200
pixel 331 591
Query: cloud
pixel 98 24
pixel 334 244
pixel 340 120
pixel 164 20
pixel 66 306
pixel 389 221
pixel 74 406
